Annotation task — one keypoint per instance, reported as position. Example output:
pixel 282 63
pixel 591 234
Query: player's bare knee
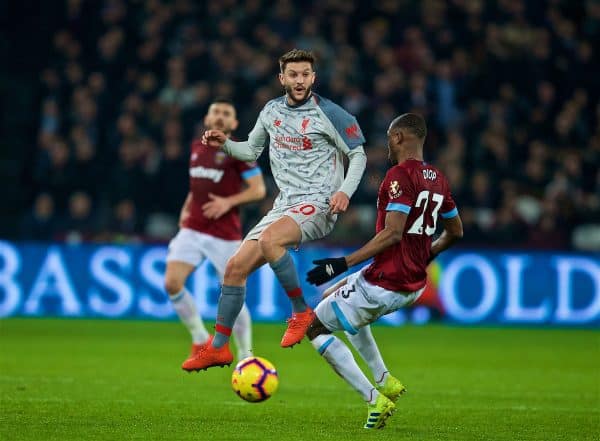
pixel 265 242
pixel 173 285
pixel 271 246
pixel 315 329
pixel 235 271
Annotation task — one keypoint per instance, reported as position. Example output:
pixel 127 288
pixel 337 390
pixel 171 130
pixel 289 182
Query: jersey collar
pixel 413 160
pixel 299 104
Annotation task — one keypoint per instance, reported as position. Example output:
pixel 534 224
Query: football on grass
pixel 254 379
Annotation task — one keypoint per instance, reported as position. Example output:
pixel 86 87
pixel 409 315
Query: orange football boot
pixel 298 323
pixel 208 356
pixel 197 346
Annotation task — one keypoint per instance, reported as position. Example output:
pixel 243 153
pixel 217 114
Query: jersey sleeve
pixel 346 132
pixel 257 138
pixel 196 144
pixel 251 149
pixel 399 190
pixel 448 209
pixel 247 169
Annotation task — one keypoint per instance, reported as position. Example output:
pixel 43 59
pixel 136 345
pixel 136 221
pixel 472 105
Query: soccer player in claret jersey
pixel 210 224
pixel 411 198
pixel 308 135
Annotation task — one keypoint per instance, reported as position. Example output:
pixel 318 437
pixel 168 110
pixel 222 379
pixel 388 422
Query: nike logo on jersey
pixel 213 174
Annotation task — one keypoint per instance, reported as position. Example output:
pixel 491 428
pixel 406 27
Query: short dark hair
pixel 295 56
pixel 412 122
pixel 223 100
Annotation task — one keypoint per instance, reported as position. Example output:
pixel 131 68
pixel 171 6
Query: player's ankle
pixel 382 379
pixel 372 399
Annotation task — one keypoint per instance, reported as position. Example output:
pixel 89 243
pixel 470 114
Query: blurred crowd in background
pixel 509 88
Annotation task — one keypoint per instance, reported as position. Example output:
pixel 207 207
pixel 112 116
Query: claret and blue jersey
pixel 212 171
pixel 421 191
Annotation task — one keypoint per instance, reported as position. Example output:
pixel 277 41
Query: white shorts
pixel 193 247
pixel 314 219
pixel 358 303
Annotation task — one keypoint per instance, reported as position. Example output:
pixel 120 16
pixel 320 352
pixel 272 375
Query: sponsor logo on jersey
pixel 352 131
pixel 213 174
pixel 306 143
pixel 394 190
pixel 293 142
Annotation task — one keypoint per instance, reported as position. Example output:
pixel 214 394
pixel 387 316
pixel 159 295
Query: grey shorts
pixel 314 219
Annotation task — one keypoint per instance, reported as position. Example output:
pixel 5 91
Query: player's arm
pixel 453 231
pixel 357 162
pixel 327 269
pixel 344 131
pixel 255 190
pixel 390 235
pixel 334 288
pixel 185 209
pixel 248 150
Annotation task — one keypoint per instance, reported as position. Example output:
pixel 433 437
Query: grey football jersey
pixel 306 143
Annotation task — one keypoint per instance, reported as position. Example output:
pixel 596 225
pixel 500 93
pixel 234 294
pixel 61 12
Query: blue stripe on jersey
pixel 451 213
pixel 343 320
pixel 345 124
pixel 251 172
pixel 325 345
pixel 394 206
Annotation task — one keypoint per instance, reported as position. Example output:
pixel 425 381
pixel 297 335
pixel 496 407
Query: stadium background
pixel 105 97
pixel 99 101
pixel 102 99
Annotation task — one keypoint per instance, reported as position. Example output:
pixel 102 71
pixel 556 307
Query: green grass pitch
pixel 99 379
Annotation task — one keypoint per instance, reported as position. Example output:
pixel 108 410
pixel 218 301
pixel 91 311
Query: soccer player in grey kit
pixel 308 135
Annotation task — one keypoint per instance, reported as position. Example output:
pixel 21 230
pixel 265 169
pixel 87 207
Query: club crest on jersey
pixel 194 156
pixel 394 190
pixel 220 157
pixel 304 125
pixel 277 122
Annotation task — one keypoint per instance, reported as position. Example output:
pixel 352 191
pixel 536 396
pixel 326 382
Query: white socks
pixel 185 307
pixel 341 360
pixel 365 344
pixel 242 331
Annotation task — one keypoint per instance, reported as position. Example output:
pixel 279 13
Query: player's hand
pixel 214 138
pixel 339 202
pixel 326 269
pixel 216 207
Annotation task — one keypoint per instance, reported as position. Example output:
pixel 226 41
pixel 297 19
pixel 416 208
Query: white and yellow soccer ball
pixel 254 379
